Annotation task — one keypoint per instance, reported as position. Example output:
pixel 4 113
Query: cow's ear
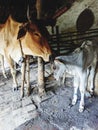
pixel 21 33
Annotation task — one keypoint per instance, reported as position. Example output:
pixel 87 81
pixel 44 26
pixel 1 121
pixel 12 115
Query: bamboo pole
pixel 41 83
pixel 23 68
pixel 28 76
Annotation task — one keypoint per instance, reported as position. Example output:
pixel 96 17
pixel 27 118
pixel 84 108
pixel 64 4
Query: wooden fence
pixel 63 43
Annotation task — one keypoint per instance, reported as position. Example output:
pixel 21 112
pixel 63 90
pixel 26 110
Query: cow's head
pixel 34 41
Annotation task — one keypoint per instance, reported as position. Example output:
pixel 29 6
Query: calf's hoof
pixel 74 100
pixel 81 109
pixel 91 92
pixel 87 94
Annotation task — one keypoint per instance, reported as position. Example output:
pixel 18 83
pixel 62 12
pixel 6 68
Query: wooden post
pixel 40 60
pixel 23 68
pixel 28 76
pixel 58 40
pixel 52 29
pixel 39 8
pixel 41 76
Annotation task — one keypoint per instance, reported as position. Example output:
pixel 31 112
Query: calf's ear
pixel 21 33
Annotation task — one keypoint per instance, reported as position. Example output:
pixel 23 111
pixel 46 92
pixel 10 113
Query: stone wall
pixel 67 21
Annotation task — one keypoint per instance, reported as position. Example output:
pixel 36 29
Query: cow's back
pixel 8 35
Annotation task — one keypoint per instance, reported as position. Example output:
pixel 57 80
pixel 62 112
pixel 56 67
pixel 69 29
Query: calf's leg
pixel 76 85
pixel 82 87
pixel 91 77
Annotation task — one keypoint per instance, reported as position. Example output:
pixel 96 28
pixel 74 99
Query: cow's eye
pixel 37 34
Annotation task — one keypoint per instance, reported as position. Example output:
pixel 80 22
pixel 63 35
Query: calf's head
pixel 34 41
pixel 59 71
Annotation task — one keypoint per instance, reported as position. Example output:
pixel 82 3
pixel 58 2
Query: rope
pixel 23 56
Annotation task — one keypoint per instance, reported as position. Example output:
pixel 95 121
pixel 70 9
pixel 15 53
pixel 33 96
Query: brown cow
pixel 31 39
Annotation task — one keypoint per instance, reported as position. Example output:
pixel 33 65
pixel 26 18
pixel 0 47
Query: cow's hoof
pixel 15 88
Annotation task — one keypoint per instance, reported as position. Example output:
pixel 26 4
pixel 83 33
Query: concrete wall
pixel 67 21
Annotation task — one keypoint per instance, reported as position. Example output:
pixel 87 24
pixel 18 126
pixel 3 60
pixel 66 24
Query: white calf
pixel 81 64
pixel 79 78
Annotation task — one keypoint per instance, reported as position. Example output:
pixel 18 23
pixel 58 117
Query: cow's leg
pixel 13 71
pixel 82 87
pixel 2 65
pixel 76 85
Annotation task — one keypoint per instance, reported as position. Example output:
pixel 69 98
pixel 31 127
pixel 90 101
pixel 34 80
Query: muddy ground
pixel 52 112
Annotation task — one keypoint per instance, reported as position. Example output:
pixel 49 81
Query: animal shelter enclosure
pixel 48 65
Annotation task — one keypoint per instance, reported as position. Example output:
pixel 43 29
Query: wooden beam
pixel 60 12
pixel 39 8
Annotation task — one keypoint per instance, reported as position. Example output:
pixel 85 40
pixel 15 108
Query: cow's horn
pixel 28 14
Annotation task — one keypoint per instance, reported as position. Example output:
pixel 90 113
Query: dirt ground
pixel 52 112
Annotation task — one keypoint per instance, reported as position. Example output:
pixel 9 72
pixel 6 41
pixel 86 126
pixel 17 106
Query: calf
pixel 81 63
